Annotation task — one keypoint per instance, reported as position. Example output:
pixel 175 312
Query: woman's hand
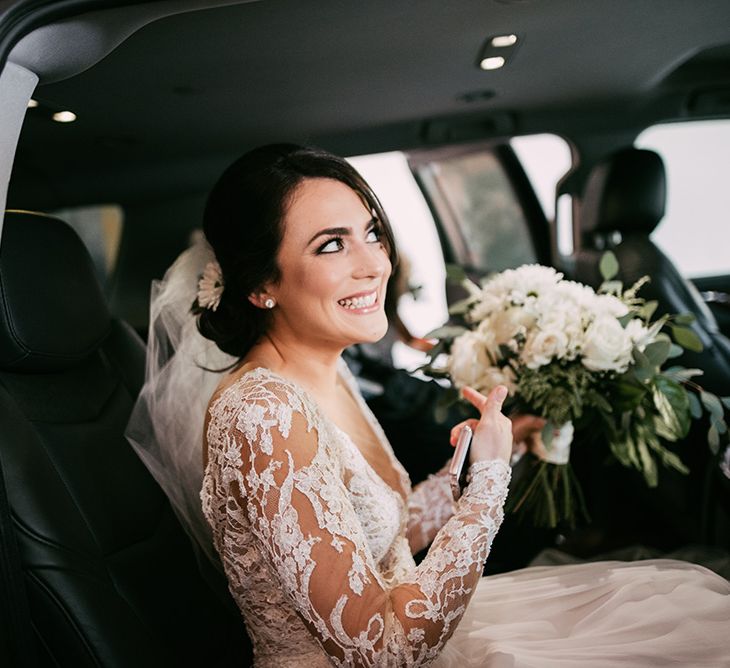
pixel 492 431
pixel 527 434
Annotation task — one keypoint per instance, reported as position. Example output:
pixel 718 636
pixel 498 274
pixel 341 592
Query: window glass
pixel 100 228
pixel 546 159
pixel 486 210
pixel 694 232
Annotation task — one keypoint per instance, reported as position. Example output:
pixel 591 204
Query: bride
pixel 309 512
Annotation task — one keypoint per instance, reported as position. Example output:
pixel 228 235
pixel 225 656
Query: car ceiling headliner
pixel 176 100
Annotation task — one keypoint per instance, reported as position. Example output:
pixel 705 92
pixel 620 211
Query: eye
pixel 374 233
pixel 331 246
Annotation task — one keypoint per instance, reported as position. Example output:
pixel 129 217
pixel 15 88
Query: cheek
pixel 309 282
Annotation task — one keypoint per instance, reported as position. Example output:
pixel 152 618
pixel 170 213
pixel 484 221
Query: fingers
pixel 523 425
pixel 496 398
pixel 493 401
pixel 476 399
pixel 456 430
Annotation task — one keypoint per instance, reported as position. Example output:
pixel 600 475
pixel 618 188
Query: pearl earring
pixel 269 303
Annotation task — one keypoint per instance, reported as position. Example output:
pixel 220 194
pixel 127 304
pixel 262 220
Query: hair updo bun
pixel 243 223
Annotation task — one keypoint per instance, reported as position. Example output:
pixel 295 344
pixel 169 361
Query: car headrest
pixel 625 192
pixel 52 310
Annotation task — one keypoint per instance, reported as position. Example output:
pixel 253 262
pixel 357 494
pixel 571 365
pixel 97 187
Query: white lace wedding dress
pixel 317 551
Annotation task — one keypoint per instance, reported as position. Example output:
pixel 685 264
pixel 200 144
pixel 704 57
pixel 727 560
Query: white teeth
pixel 359 302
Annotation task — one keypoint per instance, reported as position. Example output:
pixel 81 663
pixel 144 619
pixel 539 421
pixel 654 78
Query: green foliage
pixel 608 265
pixel 687 338
pixel 638 414
pixel 557 392
pixel 455 273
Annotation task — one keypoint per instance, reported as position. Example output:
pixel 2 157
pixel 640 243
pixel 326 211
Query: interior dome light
pixel 501 41
pixel 492 63
pixel 64 117
pixel 32 104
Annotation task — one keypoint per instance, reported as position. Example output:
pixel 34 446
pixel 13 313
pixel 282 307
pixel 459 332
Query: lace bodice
pixel 317 547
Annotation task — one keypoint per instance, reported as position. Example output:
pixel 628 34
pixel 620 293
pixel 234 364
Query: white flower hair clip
pixel 210 286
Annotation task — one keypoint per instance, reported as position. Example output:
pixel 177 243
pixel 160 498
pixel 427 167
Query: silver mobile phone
pixel 457 474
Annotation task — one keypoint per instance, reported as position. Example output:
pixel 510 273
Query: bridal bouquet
pixel 588 363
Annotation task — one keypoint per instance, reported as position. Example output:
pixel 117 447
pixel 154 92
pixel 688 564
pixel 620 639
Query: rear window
pixel 695 231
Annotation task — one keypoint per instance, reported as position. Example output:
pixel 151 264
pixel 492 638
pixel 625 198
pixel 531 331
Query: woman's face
pixel 333 268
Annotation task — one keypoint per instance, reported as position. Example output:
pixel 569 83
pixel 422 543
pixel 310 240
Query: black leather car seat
pixel 111 577
pixel 623 202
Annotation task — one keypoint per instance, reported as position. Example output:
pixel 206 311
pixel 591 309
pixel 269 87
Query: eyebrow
pixel 338 231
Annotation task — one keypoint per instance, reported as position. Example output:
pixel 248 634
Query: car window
pixel 491 219
pixel 489 229
pixel 694 232
pixel 100 228
pixel 546 158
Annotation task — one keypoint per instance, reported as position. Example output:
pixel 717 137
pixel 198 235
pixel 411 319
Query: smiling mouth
pixel 359 302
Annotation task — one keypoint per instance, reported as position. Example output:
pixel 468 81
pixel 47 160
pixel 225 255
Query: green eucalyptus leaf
pixel 725 401
pixel 625 319
pixel 648 465
pixel 695 408
pixel 608 265
pixel 680 373
pixel 668 457
pixel 712 404
pixel 648 309
pixel 675 351
pixel 671 400
pixel 455 273
pixel 684 319
pixel 713 438
pixel 446 332
pixel 436 350
pixel 687 338
pixel 628 395
pixel 720 425
pixel 461 307
pixel 657 352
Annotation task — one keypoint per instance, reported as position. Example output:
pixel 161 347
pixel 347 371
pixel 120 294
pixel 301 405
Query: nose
pixel 370 261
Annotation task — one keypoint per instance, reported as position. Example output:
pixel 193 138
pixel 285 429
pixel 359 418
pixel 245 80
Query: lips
pixel 359 301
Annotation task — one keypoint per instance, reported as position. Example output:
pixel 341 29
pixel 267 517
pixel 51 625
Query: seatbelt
pixel 16 641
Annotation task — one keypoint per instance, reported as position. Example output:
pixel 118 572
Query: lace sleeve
pixel 430 506
pixel 291 490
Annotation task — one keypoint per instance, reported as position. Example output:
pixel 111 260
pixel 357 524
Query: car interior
pixel 116 118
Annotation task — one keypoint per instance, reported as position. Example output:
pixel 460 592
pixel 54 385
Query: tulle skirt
pixel 599 615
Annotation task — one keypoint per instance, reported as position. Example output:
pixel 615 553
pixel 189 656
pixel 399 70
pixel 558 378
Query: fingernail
pixel 501 393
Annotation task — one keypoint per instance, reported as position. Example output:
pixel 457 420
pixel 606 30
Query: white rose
pixel 509 322
pixel 609 305
pixel 606 346
pixel 494 376
pixel 544 346
pixel 468 359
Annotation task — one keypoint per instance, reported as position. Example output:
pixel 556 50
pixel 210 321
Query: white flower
pixel 210 286
pixel 544 346
pixel 506 324
pixel 469 363
pixel 468 359
pixel 607 346
pixel 638 333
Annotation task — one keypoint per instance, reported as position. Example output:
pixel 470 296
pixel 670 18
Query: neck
pixel 314 368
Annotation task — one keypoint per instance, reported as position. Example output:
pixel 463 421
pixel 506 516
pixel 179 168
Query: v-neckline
pixel 402 495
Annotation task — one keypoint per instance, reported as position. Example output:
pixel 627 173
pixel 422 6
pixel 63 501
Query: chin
pixel 374 335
